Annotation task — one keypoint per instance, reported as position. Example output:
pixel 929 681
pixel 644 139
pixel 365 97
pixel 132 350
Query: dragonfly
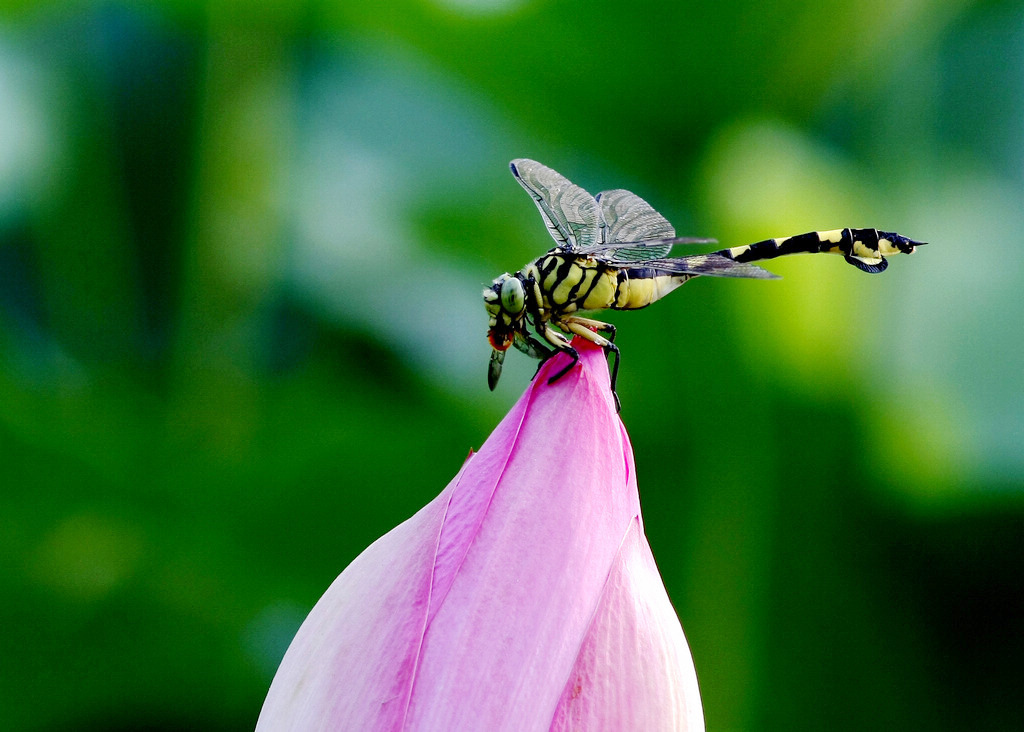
pixel 612 253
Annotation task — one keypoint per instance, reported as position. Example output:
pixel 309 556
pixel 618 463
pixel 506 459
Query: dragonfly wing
pixel 711 265
pixel 629 218
pixel 572 215
pixel 620 254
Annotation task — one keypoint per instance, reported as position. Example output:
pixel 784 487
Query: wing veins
pixel 638 251
pixel 572 216
pixel 710 265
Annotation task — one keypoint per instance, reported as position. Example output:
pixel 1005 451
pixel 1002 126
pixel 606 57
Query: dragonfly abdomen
pixel 638 287
pixel 863 248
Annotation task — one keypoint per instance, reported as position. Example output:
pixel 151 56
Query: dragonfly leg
pixel 538 349
pixel 575 356
pixel 561 343
pixel 533 301
pixel 595 325
pixel 584 329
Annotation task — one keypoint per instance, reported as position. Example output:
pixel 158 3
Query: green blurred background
pixel 241 253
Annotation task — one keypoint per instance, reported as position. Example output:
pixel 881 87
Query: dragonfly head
pixel 505 301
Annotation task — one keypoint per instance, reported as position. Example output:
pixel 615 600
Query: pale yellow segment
pixel 832 235
pixel 584 332
pixel 588 278
pixel 560 295
pixel 555 338
pixel 887 247
pixel 779 241
pixel 549 281
pixel 860 249
pixel 640 293
pixel 603 293
pixel 737 251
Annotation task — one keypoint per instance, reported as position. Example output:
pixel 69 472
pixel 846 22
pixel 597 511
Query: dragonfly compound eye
pixel 513 297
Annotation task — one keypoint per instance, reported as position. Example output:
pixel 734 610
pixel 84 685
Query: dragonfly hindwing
pixel 629 218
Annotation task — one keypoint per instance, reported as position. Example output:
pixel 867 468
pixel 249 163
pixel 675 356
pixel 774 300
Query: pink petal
pixel 634 670
pixel 523 597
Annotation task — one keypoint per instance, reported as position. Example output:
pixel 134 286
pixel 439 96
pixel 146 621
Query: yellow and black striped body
pixel 560 284
pixel 570 284
pixel 612 253
pixel 865 249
